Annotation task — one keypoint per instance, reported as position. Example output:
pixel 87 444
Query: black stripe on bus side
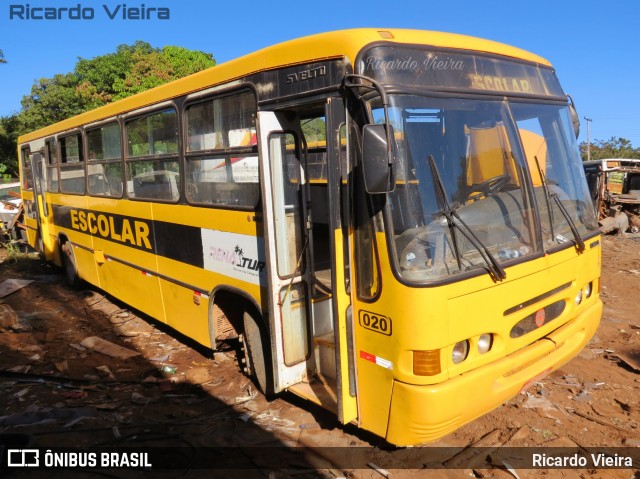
pixel 179 242
pixel 170 240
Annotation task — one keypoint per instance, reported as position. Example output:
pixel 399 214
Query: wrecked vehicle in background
pixel 614 184
pixel 10 210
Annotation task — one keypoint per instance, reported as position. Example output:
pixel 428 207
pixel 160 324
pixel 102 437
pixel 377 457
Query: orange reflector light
pixel 426 363
pixel 385 34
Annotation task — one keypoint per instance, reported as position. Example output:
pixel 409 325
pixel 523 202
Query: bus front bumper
pixel 421 414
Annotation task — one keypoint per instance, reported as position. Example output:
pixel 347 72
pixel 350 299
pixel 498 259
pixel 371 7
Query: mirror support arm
pixel 575 119
pixel 347 82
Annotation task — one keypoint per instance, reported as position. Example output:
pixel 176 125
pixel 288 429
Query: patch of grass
pixel 17 261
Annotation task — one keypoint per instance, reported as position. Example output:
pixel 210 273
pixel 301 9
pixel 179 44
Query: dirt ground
pixel 173 394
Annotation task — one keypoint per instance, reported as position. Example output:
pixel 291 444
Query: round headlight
pixel 484 343
pixel 588 289
pixel 579 297
pixel 460 352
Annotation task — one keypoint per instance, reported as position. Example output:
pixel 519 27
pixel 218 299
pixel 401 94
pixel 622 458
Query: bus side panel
pixel 64 210
pixel 375 385
pixel 48 229
pixel 136 287
pixel 126 265
pixel 202 250
pixel 187 311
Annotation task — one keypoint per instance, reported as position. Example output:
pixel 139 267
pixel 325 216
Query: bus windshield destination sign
pixel 444 70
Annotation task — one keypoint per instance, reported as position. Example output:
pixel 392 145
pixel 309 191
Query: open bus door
pixel 286 243
pixel 37 160
pixel 307 250
pixel 339 205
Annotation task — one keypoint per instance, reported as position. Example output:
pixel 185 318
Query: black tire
pixel 257 354
pixel 69 265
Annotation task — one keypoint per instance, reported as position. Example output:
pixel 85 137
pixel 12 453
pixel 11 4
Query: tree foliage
pixel 101 80
pixel 95 82
pixel 2 59
pixel 8 139
pixel 614 147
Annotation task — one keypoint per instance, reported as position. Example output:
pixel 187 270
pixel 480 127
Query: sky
pixel 593 45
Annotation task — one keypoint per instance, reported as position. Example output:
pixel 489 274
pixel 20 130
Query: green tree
pixel 51 100
pixel 614 147
pixel 314 130
pixel 155 67
pixel 8 139
pixel 95 82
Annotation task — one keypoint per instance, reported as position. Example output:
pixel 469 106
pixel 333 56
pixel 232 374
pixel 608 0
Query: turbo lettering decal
pixel 235 255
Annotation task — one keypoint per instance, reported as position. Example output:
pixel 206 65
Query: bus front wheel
pixel 257 354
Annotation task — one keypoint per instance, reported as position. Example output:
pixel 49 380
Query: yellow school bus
pixel 395 223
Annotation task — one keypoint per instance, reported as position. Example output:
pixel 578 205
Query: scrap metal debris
pixel 9 286
pixel 633 363
pixel 107 348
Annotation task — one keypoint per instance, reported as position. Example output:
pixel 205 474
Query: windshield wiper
pixel 554 196
pixel 455 222
pixel 547 196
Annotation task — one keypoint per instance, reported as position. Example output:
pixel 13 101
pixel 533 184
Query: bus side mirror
pixel 575 119
pixel 378 160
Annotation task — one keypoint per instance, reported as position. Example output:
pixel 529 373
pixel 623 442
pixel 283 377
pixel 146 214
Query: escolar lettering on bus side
pixel 135 232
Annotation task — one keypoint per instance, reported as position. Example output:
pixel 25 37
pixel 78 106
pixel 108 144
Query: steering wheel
pixel 490 186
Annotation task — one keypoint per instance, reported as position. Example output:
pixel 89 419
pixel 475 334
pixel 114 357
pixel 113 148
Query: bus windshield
pixel 481 183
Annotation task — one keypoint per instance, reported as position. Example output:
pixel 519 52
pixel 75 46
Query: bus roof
pixel 322 46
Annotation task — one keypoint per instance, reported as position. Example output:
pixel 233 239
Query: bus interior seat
pixel 72 185
pixel 224 193
pixel 115 186
pixel 157 186
pixel 98 185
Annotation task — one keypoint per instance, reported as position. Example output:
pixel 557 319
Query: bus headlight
pixel 579 297
pixel 460 351
pixel 484 343
pixel 588 289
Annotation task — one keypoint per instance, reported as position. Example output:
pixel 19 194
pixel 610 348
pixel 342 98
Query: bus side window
pixel 104 170
pixel 221 151
pixel 27 172
pixel 153 169
pixel 72 178
pixel 52 166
